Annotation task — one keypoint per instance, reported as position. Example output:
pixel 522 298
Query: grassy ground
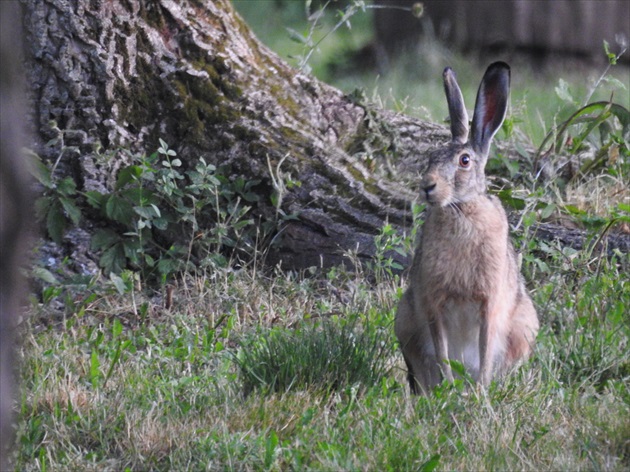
pixel 256 371
pixel 122 384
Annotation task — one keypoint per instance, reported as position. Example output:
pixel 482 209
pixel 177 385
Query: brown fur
pixel 466 299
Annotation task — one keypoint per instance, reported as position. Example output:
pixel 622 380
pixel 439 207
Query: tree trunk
pixel 120 74
pixel 14 211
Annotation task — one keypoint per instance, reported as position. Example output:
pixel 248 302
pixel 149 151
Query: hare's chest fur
pixel 464 253
pixel 462 262
pixel 461 325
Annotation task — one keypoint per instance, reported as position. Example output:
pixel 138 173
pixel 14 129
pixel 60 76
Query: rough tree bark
pixel 123 73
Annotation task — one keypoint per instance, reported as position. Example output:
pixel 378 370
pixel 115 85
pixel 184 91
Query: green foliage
pixel 387 242
pixel 56 207
pixel 159 218
pixel 602 125
pixel 600 117
pixel 324 356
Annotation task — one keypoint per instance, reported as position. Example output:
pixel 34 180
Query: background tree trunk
pixel 121 74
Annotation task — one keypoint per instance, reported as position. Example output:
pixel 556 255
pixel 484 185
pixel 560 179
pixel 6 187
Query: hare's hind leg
pixel 423 372
pixel 523 331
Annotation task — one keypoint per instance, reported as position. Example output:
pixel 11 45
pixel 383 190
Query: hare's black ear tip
pixel 499 66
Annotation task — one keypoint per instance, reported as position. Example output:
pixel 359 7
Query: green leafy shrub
pixel 166 217
pixel 160 218
pixel 605 125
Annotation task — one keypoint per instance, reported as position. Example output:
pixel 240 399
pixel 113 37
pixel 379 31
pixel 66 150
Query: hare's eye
pixel 464 160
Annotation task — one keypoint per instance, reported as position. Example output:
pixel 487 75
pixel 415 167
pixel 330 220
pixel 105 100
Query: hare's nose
pixel 428 189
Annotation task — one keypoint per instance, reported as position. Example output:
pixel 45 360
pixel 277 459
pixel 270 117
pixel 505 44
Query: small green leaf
pixel 147 212
pixel 156 209
pixel 132 248
pixel 458 368
pixel 431 464
pixel 138 195
pixel 41 172
pixel 396 266
pixel 103 239
pixel 295 36
pixel 624 207
pixel 55 222
pixel 160 223
pixel 42 207
pixel 612 58
pixel 615 82
pixel 119 283
pixel 167 266
pixel 149 260
pixel 507 198
pixel 71 209
pixel 45 275
pixel 95 199
pixel 547 211
pixel 67 187
pixel 119 209
pixel 126 175
pixel 95 372
pixel 117 328
pixel 113 259
pixel 573 210
pixel 562 91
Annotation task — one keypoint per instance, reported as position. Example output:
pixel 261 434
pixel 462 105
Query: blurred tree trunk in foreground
pixel 14 211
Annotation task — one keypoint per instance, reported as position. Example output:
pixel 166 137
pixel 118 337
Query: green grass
pixel 320 356
pixel 259 370
pixel 114 391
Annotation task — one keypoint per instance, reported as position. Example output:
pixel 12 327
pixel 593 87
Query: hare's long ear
pixel 456 107
pixel 492 99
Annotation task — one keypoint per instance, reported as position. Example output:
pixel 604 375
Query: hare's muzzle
pixel 429 190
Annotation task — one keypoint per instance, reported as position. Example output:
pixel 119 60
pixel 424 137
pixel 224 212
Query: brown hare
pixel 466 299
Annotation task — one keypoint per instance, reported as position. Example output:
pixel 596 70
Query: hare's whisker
pixel 455 206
